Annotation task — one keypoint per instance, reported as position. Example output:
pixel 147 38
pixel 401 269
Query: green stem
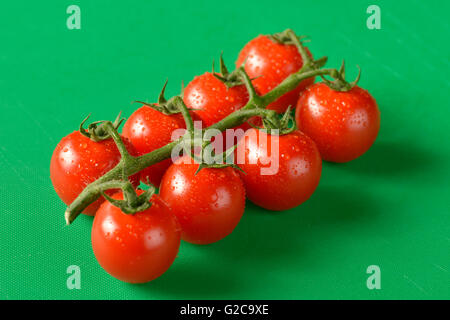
pixel 301 49
pixel 108 126
pixel 93 191
pixel 247 82
pixel 291 82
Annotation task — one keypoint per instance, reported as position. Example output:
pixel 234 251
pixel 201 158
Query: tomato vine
pixel 117 178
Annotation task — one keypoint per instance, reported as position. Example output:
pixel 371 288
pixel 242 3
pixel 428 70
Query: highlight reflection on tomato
pixel 77 161
pixel 148 130
pixel 269 63
pixel 138 247
pixel 208 204
pixel 278 178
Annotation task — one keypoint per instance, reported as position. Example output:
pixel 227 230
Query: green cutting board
pixel 390 208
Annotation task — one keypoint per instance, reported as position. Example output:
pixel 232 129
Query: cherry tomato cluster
pixel 136 234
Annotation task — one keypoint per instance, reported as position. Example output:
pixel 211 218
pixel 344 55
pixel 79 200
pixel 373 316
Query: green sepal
pixel 225 156
pixel 167 107
pixel 140 203
pixel 281 124
pixel 218 166
pixel 96 131
pixel 285 121
pixel 285 38
pixel 230 79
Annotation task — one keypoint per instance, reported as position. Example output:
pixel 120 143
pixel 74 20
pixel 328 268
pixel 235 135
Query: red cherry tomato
pixel 77 161
pixel 212 100
pixel 270 63
pixel 283 179
pixel 138 247
pixel 148 130
pixel 344 125
pixel 208 204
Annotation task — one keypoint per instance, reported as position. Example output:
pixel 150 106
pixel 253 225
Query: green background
pixel 388 208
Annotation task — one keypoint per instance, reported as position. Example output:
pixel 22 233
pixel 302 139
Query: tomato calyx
pixel 220 161
pixel 230 79
pixel 275 125
pixel 287 123
pixel 219 166
pixel 132 202
pixel 339 83
pixel 288 37
pixel 202 151
pixel 96 131
pixel 167 107
pixel 285 37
